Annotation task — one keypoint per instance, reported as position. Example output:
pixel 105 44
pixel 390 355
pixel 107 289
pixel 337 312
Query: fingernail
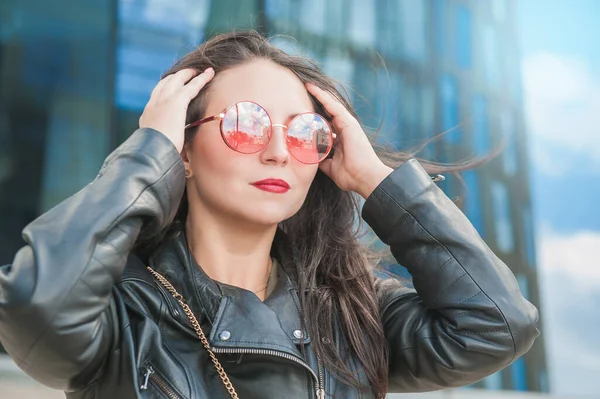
pixel 208 69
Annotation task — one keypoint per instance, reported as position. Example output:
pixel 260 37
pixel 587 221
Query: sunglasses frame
pixel 221 117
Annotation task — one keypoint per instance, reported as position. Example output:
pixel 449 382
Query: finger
pixel 184 76
pixel 177 81
pixel 331 105
pixel 192 89
pixel 158 88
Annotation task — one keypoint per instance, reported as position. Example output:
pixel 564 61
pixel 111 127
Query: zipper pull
pixel 147 374
pixel 320 393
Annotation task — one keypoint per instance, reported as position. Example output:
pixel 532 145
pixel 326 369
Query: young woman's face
pixel 224 181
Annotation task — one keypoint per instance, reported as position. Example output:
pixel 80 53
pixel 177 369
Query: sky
pixel 560 47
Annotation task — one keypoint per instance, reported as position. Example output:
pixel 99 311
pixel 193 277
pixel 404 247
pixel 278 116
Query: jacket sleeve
pixel 58 318
pixel 466 317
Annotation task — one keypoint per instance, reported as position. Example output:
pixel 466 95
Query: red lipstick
pixel 277 186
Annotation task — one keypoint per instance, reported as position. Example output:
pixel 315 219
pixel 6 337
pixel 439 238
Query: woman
pixel 243 229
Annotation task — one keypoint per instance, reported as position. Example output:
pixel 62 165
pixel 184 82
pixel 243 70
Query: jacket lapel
pixel 238 318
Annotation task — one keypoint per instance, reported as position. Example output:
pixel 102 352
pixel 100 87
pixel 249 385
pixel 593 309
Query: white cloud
pixel 569 278
pixel 562 105
pixel 576 254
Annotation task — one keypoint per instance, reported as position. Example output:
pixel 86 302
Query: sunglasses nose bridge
pixel 284 127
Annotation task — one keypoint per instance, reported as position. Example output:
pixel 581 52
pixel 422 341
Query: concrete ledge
pixel 15 384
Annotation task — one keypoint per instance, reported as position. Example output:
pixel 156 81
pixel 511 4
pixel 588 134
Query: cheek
pixel 305 175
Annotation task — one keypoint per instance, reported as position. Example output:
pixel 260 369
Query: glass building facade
pixel 75 76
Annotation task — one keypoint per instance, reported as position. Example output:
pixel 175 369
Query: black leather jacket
pixel 79 313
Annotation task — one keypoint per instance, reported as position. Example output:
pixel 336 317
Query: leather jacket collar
pixel 235 310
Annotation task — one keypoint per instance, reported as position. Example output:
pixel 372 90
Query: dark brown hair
pixel 335 280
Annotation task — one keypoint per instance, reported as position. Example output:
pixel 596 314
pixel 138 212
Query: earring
pixel 188 173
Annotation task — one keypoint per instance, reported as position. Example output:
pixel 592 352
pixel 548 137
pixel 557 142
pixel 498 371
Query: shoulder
pixel 138 289
pixel 136 270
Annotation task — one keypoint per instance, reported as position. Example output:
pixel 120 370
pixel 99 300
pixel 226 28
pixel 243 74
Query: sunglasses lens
pixel 246 127
pixel 309 138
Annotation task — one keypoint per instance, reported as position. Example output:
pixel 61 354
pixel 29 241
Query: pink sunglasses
pixel 246 128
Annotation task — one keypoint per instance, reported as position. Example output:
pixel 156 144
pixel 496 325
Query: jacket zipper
pixel 320 387
pixel 319 390
pixel 151 376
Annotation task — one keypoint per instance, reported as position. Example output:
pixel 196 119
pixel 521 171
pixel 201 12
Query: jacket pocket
pixel 156 385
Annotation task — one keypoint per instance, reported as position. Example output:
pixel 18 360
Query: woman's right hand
pixel 167 108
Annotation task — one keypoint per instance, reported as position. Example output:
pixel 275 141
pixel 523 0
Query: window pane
pixel 440 27
pixel 519 375
pixel 472 200
pixel 507 131
pixel 543 381
pixel 463 36
pixel 337 16
pixel 490 55
pixel 427 129
pixel 449 109
pixel 529 238
pixel 340 68
pixel 523 284
pixel 362 25
pixel 151 35
pixel 502 221
pixel 481 133
pixel 312 14
pixel 493 382
pixel 414 28
pixel 389 108
pixel 388 40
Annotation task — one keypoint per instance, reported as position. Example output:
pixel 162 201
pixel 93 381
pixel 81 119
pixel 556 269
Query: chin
pixel 268 215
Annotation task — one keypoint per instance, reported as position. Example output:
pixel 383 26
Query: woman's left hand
pixel 355 166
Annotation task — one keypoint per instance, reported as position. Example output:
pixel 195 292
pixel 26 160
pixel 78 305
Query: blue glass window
pixel 472 200
pixel 362 22
pixel 151 34
pixel 507 130
pixel 543 381
pixel 491 59
pixel 388 38
pixel 449 109
pixel 340 68
pixel 312 14
pixel 440 27
pixel 481 131
pixel 529 238
pixel 523 284
pixel 389 107
pixel 463 36
pixel 502 220
pixel 366 93
pixel 277 9
pixel 377 101
pixel 414 29
pixel 337 16
pixel 493 382
pixel 519 375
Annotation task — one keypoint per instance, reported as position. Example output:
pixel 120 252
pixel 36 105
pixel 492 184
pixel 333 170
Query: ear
pixel 189 172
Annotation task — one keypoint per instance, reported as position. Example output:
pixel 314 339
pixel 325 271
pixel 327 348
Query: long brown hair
pixel 335 278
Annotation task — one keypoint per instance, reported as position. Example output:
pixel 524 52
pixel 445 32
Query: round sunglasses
pixel 246 128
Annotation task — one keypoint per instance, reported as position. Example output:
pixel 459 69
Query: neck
pixel 230 252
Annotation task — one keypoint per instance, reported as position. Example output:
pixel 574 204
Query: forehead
pixel 274 87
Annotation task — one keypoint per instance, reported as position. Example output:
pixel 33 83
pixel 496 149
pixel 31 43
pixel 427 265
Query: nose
pixel 276 151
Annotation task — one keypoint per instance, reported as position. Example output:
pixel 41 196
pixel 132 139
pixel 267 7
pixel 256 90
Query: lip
pixel 272 185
